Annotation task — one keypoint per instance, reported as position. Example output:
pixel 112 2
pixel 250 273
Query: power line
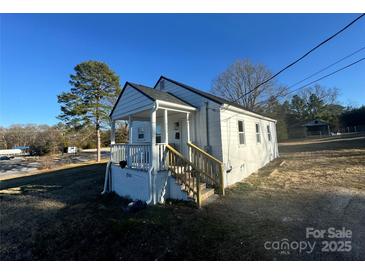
pixel 330 74
pixel 327 67
pixel 302 57
pixel 321 78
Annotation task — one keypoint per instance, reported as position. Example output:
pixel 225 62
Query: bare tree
pixel 41 138
pixel 238 84
pixel 3 142
pixel 327 95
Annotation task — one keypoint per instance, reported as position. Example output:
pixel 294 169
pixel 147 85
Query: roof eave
pixel 247 112
pixel 188 88
pixel 116 103
pixel 163 103
pixel 121 93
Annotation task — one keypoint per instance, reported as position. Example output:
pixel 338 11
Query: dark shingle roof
pixel 155 94
pixel 214 98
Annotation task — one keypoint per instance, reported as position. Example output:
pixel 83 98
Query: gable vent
pixel 162 84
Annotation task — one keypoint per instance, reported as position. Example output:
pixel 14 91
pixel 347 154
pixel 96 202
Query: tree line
pixel 45 139
pixel 238 84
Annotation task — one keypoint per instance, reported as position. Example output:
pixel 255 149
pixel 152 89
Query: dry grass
pixel 61 215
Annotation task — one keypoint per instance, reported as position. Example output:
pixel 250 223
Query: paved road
pixel 20 166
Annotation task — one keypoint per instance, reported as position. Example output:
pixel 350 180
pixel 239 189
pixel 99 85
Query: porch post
pixel 166 132
pixel 154 152
pixel 188 126
pixel 188 134
pixel 130 130
pixel 112 133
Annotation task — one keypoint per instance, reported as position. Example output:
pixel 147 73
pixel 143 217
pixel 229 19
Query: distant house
pixel 317 128
pixel 184 143
pixel 25 150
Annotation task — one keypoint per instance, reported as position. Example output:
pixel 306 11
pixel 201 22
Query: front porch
pixel 159 161
pixel 149 133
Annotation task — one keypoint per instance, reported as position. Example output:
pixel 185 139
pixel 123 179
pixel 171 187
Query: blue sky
pixel 39 51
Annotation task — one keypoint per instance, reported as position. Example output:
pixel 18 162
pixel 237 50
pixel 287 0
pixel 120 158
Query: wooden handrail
pixel 210 166
pixel 201 168
pixel 182 169
pixel 205 153
pixel 175 151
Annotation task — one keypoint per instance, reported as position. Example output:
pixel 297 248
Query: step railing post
pixel 222 180
pixel 198 194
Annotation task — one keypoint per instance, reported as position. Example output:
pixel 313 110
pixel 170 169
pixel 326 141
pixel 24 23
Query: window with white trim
pixel 241 132
pixel 140 133
pixel 268 133
pixel 258 134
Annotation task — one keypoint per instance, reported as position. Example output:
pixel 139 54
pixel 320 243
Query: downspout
pixel 106 180
pixel 151 171
pixel 207 123
pixel 150 186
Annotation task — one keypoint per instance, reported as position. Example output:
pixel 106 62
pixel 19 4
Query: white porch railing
pixel 162 153
pixel 137 155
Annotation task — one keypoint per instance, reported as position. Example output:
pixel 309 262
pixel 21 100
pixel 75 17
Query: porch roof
pixel 140 99
pixel 155 94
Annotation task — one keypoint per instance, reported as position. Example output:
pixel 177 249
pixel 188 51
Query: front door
pixel 183 140
pixel 176 138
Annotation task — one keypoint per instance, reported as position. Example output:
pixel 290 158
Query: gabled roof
pixel 156 94
pixel 214 98
pixel 152 94
pixel 316 122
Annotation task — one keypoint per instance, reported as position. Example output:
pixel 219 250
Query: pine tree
pixel 94 89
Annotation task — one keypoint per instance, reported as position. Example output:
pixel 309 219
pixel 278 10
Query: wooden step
pixel 202 187
pixel 210 199
pixel 206 193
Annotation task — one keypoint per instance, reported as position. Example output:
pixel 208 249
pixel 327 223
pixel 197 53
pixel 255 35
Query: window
pixel 140 133
pixel 158 134
pixel 241 132
pixel 268 133
pixel 258 136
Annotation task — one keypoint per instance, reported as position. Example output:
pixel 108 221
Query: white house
pixel 184 143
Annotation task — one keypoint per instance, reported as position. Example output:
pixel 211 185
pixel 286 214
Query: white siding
pixel 146 125
pixel 198 120
pixel 248 158
pixel 241 160
pixel 180 144
pixel 173 118
pixel 185 94
pixel 134 184
pixel 130 183
pixel 132 101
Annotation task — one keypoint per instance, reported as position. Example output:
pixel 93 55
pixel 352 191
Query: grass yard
pixel 62 216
